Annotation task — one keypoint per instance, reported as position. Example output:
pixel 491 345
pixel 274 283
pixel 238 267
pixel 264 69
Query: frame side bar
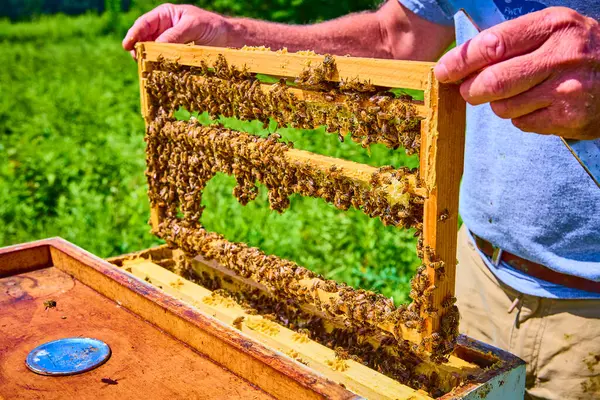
pixel 144 68
pixel 442 158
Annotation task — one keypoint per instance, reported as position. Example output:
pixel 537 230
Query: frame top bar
pixel 386 73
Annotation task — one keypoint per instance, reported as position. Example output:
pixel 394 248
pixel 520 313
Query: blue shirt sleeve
pixel 429 10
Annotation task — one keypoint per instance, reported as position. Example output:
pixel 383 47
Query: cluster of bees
pixel 182 156
pixel 185 155
pixel 378 350
pixel 369 114
pixel 441 342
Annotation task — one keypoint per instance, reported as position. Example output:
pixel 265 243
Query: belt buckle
pixel 496 256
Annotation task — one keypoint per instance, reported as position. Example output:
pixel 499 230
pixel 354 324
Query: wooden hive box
pixel 181 291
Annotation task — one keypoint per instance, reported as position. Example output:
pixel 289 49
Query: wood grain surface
pixel 380 72
pixel 441 166
pixel 264 367
pixel 146 363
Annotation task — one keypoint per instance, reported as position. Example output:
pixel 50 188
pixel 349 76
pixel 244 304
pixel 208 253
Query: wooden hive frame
pixel 442 139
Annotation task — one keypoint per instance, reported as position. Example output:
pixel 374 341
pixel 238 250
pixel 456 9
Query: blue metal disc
pixel 68 356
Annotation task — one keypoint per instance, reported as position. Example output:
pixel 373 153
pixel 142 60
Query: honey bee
pixel 237 323
pixel 437 265
pixel 109 381
pixel 448 301
pixel 49 304
pixel 429 290
pixel 431 311
pixel 444 215
pixel 341 353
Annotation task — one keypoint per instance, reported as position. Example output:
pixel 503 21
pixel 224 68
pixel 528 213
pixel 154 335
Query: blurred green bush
pixel 18 10
pixel 295 11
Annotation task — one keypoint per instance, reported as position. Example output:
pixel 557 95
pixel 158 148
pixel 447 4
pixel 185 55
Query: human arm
pixel 541 70
pixel 390 32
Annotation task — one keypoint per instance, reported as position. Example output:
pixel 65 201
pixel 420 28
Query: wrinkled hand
pixel 178 24
pixel 541 70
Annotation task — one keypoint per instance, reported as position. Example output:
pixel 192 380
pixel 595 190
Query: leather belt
pixel 533 269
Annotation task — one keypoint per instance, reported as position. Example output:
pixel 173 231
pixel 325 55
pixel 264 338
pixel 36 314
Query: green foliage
pixel 72 164
pixel 295 11
pixel 26 9
pixel 54 29
pixel 71 149
pixel 291 11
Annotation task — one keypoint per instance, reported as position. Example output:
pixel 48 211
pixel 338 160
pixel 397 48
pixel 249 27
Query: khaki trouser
pixel 558 339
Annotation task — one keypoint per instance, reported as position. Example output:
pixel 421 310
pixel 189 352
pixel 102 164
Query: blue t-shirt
pixel 525 192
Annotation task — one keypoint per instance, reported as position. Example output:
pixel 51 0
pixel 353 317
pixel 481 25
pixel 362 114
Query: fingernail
pixel 441 72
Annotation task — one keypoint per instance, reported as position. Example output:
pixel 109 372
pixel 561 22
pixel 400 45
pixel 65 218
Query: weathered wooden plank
pixel 441 165
pixel 146 363
pixel 386 73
